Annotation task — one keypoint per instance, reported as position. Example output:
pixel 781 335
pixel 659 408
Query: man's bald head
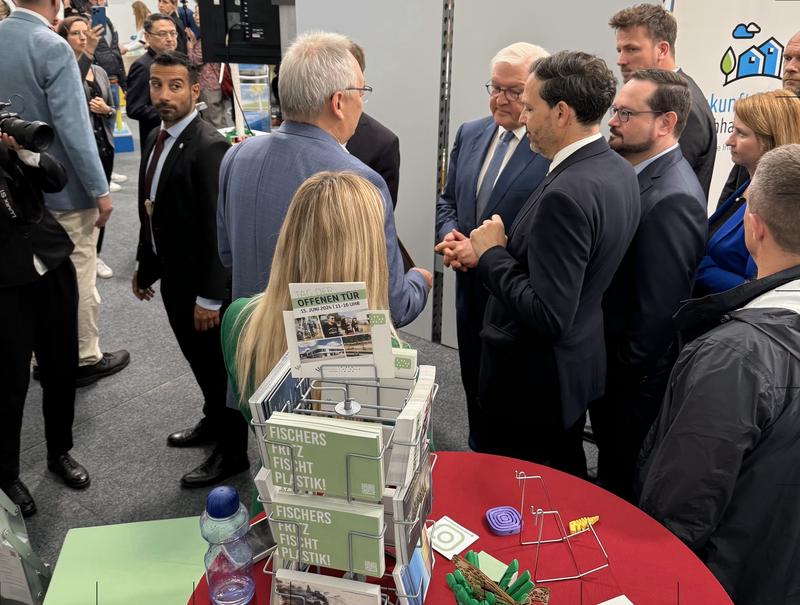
pixel 791 64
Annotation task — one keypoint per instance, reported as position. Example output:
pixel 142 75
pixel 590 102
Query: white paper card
pixel 449 538
pixel 620 600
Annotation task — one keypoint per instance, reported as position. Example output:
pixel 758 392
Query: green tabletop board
pixel 152 562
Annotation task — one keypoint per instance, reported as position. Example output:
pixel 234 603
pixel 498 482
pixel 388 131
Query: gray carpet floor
pixel 121 422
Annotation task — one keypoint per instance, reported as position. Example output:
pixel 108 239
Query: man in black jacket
pixel 722 465
pixel 543 357
pixel 39 311
pixel 161 36
pixel 645 36
pixel 178 182
pixel 657 274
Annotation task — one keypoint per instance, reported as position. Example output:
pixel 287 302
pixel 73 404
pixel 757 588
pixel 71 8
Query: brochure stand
pixel 302 396
pixel 539 516
pixel 28 577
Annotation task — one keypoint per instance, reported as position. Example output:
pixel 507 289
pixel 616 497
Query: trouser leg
pixel 203 351
pixel 56 346
pixel 16 344
pixel 79 225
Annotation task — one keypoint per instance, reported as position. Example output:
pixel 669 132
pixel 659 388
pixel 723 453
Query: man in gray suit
pixel 321 90
pixel 41 73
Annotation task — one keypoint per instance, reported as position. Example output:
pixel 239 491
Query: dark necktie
pixel 148 182
pixel 492 171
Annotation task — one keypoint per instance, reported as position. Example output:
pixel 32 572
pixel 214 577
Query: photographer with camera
pixel 39 311
pixel 40 74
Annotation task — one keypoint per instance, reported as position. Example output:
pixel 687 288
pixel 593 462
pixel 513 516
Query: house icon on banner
pixel 763 60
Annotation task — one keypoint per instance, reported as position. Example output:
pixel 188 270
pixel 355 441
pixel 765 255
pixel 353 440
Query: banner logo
pixel 764 59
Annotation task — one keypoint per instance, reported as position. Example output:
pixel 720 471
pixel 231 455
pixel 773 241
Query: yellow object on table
pixel 582 523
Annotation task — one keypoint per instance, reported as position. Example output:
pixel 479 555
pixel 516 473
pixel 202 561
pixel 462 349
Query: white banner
pixel 732 48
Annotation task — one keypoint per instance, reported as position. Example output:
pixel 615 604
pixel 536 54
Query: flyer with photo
pixel 332 333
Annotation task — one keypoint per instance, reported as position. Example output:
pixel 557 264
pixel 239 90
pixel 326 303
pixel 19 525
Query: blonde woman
pixel 333 232
pixel 761 122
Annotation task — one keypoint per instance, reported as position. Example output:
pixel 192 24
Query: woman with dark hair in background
pixel 97 87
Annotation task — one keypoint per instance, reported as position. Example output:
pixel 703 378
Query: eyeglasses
pixel 625 114
pixel 511 95
pixel 363 92
pixel 164 35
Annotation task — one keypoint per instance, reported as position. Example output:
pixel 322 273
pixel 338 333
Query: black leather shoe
pixel 110 364
pixel 73 474
pixel 20 496
pixel 199 434
pixel 214 470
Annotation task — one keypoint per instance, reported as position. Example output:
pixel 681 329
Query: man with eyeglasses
pixel 647 118
pixel 161 36
pixel 645 38
pixel 492 171
pixel 322 91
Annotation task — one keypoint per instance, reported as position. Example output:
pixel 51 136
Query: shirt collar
pixel 28 11
pixel 519 132
pixel 645 163
pixel 178 127
pixel 567 151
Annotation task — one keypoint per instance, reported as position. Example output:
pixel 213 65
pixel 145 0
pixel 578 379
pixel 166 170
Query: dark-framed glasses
pixel 363 91
pixel 625 114
pixel 164 35
pixel 511 94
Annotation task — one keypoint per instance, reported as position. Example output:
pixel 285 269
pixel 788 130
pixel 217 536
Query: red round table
pixel 646 562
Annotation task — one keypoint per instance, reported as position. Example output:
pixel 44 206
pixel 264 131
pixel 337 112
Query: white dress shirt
pixel 567 151
pixel 519 134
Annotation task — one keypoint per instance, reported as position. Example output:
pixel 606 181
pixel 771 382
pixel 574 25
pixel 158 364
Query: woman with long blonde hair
pixel 333 232
pixel 761 122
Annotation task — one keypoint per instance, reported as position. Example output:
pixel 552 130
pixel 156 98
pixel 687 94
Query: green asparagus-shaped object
pixel 510 571
pixel 522 592
pixel 451 581
pixel 523 577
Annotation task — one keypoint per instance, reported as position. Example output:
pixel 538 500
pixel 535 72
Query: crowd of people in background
pixel 574 254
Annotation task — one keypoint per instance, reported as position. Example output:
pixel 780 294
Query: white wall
pixel 481 29
pixel 121 15
pixel 401 40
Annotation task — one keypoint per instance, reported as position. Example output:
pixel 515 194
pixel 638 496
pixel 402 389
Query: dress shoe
pixel 111 363
pixel 199 434
pixel 214 470
pixel 20 496
pixel 73 474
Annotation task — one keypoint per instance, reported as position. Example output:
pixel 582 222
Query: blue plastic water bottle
pixel 224 525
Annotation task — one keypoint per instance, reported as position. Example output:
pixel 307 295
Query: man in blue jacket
pixel 321 90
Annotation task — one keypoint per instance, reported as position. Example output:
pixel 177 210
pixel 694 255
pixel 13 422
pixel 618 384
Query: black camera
pixel 34 136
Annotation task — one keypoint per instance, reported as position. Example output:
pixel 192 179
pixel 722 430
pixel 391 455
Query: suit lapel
pixel 175 152
pixel 517 163
pixel 592 149
pixel 477 154
pixel 653 172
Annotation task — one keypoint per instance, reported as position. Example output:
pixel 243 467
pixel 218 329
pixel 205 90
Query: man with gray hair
pixel 492 171
pixel 721 467
pixel 321 89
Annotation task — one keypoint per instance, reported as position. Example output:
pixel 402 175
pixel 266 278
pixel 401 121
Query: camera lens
pixel 34 136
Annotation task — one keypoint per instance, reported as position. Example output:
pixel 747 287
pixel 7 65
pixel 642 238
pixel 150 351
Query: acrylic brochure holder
pixel 372 400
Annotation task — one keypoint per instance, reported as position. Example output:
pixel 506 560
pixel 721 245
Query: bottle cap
pixel 222 502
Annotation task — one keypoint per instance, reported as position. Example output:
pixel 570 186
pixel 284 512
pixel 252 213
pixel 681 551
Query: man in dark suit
pixel 161 36
pixel 373 143
pixel 645 36
pixel 178 183
pixel 466 202
pixel 648 115
pixel 543 357
pixel 39 311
